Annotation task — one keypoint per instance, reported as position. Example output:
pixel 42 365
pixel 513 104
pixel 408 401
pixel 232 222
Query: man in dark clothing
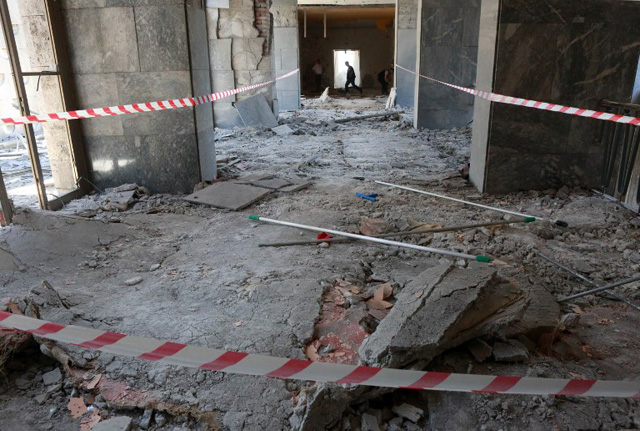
pixel 384 78
pixel 351 78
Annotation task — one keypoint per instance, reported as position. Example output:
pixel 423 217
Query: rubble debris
pixel 52 377
pixel 390 115
pixel 133 281
pixel 370 423
pixel 407 411
pixel 391 100
pixel 447 306
pixel 282 130
pixel 480 350
pixel 324 97
pixel 373 227
pixel 120 423
pixel 569 320
pixel 511 351
pixel 77 407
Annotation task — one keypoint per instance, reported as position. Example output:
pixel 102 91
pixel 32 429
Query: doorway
pixel 340 56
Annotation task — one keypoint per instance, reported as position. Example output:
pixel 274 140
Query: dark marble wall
pixel 569 52
pixel 147 57
pixel 448 51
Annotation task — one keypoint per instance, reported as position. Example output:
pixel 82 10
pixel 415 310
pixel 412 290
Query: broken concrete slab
pixel 227 195
pixel 255 111
pixel 273 184
pixel 370 423
pixel 52 377
pixel 296 186
pixel 447 306
pixel 282 130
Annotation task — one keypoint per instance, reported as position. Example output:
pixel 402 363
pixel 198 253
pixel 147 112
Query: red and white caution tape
pixel 562 109
pixel 139 107
pixel 259 365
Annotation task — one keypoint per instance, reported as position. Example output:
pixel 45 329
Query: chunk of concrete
pixel 228 195
pixel 52 377
pixel 512 351
pixel 120 423
pixel 447 306
pixel 282 130
pixel 480 350
pixel 407 411
pixel 370 423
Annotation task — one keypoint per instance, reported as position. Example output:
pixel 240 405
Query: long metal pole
pixel 36 168
pixel 586 280
pixel 479 258
pixel 396 234
pixel 600 289
pixel 436 195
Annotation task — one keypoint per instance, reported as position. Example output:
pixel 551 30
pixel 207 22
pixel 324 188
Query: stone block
pixel 222 81
pixel 289 59
pixel 226 117
pixel 170 164
pixel 120 423
pixel 246 54
pixel 220 54
pixel 96 91
pixel 162 38
pixel 289 100
pixel 237 23
pixel 152 87
pixel 109 47
pixel 284 16
pixel 228 195
pixel 512 351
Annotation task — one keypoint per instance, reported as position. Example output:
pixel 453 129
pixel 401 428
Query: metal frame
pixel 36 168
pixel 68 97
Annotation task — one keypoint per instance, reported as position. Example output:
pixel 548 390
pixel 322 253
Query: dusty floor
pixel 205 281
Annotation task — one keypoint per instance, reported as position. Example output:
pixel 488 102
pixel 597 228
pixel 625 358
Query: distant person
pixel 351 79
pixel 384 78
pixel 318 71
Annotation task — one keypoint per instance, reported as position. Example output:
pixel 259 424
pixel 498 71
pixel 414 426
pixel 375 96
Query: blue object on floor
pixel 372 197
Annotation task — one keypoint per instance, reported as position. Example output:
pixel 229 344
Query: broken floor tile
pixel 228 195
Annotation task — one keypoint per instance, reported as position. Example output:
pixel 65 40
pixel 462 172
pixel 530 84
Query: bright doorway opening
pixel 339 68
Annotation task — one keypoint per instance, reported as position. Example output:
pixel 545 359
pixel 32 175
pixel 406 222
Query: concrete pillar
pixel 571 53
pixel 406 49
pixel 447 50
pixel 286 52
pixel 137 53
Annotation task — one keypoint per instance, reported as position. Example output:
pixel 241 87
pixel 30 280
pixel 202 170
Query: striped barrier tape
pixel 260 365
pixel 136 108
pixel 569 110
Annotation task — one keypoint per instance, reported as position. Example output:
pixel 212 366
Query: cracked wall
pixel 240 44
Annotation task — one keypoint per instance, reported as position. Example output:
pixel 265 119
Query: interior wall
pixel 146 59
pixel 571 53
pixel 375 46
pixel 448 34
pixel 286 54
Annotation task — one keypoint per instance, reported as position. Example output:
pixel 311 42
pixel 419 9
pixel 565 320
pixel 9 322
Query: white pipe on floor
pixel 479 258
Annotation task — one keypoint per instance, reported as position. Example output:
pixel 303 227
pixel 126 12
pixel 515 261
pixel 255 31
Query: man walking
pixel 351 79
pixel 318 70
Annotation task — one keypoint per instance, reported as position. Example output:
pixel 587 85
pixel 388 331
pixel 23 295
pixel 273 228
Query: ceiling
pixel 353 13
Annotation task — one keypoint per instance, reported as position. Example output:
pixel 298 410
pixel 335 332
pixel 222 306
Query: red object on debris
pixel 324 235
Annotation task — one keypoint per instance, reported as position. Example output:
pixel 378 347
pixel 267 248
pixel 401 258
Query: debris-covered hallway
pixel 462 258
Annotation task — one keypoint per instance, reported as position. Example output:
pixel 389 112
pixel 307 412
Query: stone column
pixel 140 52
pixel 406 46
pixel 570 53
pixel 448 51
pixel 286 52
